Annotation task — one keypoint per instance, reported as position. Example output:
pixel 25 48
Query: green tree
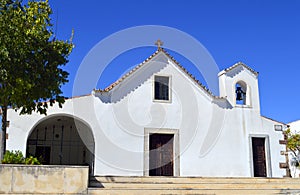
pixel 293 144
pixel 30 60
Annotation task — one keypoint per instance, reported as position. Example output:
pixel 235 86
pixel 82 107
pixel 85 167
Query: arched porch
pixel 62 140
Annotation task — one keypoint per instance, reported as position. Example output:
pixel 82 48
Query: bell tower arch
pixel 239 84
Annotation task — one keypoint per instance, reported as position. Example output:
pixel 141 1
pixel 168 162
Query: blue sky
pixel 265 35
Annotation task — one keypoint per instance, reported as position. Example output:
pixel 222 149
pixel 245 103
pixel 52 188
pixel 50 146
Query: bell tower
pixel 239 84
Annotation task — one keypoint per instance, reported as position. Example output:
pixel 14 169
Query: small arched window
pixel 241 93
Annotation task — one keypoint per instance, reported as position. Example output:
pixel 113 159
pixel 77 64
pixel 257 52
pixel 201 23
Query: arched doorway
pixel 62 140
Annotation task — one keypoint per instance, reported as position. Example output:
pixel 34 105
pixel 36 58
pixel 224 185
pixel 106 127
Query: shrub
pixel 16 157
pixel 32 161
pixel 13 157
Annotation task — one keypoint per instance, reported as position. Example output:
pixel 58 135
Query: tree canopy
pixel 293 144
pixel 31 58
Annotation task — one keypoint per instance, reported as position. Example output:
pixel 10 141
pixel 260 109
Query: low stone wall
pixel 43 179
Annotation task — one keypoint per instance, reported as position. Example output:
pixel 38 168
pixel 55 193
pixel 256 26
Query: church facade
pixel 157 120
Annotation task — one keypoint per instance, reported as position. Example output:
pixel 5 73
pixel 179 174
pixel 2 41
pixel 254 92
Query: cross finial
pixel 159 43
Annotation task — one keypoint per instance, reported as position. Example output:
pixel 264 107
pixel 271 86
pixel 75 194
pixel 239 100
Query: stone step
pixel 92 191
pixel 200 186
pixel 192 185
pixel 137 179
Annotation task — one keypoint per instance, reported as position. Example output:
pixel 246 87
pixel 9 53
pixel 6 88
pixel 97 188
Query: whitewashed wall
pixel 214 134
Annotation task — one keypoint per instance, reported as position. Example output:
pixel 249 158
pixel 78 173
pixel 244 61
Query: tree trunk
pixel 3 132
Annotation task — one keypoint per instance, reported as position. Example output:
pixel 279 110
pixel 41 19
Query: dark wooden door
pixel 259 157
pixel 161 155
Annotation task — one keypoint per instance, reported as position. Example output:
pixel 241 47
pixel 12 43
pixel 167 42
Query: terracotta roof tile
pixel 241 64
pixel 191 76
pixel 110 87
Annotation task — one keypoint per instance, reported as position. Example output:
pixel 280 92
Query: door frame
pixel 267 153
pixel 176 156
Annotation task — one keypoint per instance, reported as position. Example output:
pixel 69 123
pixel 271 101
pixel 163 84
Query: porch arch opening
pixel 62 140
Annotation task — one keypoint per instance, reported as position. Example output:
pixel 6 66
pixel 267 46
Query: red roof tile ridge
pixel 110 87
pixel 241 64
pixel 191 75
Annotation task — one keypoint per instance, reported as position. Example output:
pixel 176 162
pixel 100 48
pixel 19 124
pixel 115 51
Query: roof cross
pixel 159 43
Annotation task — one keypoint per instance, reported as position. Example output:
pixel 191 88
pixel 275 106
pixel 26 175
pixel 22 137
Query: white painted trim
pixel 242 106
pixel 176 153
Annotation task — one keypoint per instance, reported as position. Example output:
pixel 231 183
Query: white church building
pixel 158 120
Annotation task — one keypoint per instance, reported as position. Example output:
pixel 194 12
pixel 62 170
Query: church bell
pixel 239 94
